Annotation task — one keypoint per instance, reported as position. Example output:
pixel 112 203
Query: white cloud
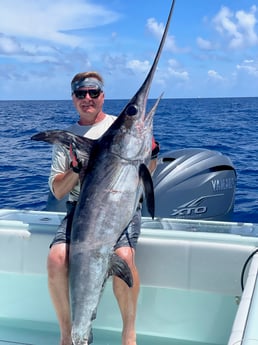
pixel 157 29
pixel 204 44
pixel 52 20
pixel 9 45
pixel 138 66
pixel 248 66
pixel 176 71
pixel 238 27
pixel 173 63
pixel 248 61
pixel 182 75
pixel 214 75
pixel 247 22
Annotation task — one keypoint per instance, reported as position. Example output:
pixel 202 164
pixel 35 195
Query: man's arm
pixel 63 183
pixel 64 176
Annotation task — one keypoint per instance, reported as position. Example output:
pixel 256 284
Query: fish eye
pixel 131 110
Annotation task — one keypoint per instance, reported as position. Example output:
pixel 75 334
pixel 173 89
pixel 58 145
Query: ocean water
pixel 227 125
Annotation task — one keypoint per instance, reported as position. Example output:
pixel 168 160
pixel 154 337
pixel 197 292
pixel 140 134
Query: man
pixel 88 99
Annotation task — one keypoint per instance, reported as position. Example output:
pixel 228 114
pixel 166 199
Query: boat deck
pixel 25 337
pixel 16 335
pixel 31 334
pixel 163 315
pixel 190 283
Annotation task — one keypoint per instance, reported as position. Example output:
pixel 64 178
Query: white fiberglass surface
pixel 165 316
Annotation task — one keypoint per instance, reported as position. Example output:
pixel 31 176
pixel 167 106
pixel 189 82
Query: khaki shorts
pixel 129 237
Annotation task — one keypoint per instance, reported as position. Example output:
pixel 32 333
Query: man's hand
pixel 76 164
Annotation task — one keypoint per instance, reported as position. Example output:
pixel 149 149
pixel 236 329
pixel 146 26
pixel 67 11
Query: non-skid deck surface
pixel 11 335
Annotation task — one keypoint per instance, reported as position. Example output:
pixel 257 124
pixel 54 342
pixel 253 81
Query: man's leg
pixel 127 297
pixel 57 266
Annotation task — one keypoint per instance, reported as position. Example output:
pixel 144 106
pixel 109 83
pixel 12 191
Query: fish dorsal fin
pixel 145 175
pixel 119 268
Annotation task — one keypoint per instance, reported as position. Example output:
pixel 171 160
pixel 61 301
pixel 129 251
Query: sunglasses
pixel 93 93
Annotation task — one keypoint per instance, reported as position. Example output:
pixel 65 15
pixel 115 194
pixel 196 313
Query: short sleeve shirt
pixel 61 158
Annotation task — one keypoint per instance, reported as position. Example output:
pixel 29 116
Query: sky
pixel 211 49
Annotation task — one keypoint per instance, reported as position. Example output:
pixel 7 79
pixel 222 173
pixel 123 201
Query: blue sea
pixel 227 125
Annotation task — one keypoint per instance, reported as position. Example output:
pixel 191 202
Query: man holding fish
pixel 88 99
pixel 115 167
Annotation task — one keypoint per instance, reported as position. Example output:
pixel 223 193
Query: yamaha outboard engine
pixel 194 184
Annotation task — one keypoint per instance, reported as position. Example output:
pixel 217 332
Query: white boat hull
pixel 190 283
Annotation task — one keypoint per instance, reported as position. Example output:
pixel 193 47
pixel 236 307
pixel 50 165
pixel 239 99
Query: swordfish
pixel 114 176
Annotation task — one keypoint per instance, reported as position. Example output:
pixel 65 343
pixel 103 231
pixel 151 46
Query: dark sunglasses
pixel 93 93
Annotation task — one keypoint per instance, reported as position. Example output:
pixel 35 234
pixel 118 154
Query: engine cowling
pixel 194 184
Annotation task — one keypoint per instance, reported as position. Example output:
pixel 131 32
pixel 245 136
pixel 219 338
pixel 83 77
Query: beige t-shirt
pixel 61 158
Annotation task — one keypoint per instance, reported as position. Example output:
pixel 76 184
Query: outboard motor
pixel 194 184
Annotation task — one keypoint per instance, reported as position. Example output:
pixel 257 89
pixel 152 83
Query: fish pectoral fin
pixel 81 145
pixel 145 175
pixel 120 268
